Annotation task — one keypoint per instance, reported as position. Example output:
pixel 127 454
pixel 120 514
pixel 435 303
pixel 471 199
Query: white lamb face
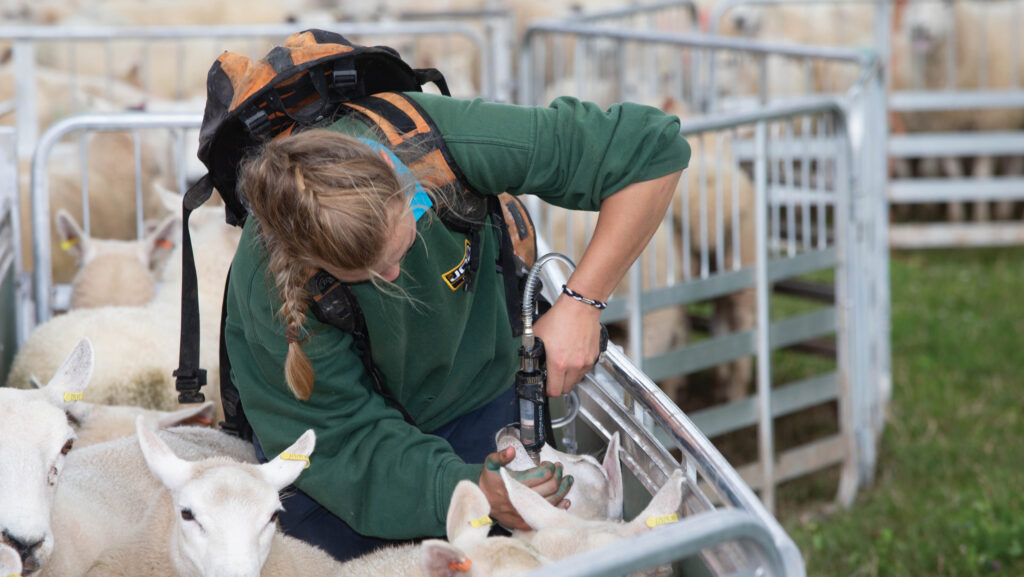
pixel 596 492
pixel 225 521
pixel 927 23
pixel 34 438
pixel 225 512
pixel 744 21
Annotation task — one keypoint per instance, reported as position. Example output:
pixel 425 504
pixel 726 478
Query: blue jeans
pixel 472 438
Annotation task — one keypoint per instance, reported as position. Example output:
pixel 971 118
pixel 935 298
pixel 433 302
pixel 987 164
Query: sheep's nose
pixel 740 22
pixel 24 547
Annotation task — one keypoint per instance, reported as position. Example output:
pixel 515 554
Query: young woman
pixel 338 199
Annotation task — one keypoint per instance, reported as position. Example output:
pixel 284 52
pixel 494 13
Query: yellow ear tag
pixel 13 575
pixel 66 244
pixel 653 522
pixel 295 457
pixel 482 521
pixel 68 397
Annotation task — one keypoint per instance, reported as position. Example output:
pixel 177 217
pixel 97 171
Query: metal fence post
pixel 26 113
pixel 766 445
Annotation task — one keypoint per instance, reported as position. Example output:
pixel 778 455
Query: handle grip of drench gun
pixel 531 379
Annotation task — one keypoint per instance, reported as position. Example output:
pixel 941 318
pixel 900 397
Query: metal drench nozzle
pixel 531 379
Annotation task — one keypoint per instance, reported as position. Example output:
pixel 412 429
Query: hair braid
pixel 318 197
pixel 298 371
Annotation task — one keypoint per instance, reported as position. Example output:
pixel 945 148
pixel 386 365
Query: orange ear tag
pixel 461 567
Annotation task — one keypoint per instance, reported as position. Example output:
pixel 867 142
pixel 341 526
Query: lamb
pixel 137 347
pixel 981 62
pixel 558 534
pixel 468 550
pixel 596 492
pixel 730 217
pixel 216 518
pixel 825 24
pixel 111 182
pixel 107 489
pixel 96 424
pixel 113 272
pixel 10 562
pixel 35 438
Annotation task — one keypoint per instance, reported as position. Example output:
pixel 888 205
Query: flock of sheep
pixel 78 497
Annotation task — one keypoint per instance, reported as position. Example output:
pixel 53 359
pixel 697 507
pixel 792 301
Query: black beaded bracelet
pixel 583 299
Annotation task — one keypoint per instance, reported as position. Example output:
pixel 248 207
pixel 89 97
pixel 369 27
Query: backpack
pixel 311 79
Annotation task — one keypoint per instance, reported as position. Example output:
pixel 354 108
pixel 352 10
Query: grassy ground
pixel 948 499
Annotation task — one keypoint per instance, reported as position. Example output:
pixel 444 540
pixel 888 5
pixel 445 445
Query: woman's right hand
pixel 546 480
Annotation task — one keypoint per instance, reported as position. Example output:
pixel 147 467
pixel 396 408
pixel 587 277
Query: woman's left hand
pixel 571 332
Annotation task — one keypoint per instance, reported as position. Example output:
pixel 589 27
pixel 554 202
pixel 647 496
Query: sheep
pixel 107 489
pixel 468 549
pixel 137 347
pixel 96 424
pixel 734 312
pixel 558 534
pixel 111 181
pixel 10 562
pixel 35 438
pixel 596 492
pixel 216 518
pixel 112 272
pixel 825 24
pixel 919 59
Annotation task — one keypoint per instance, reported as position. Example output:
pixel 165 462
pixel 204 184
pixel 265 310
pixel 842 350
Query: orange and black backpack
pixel 313 78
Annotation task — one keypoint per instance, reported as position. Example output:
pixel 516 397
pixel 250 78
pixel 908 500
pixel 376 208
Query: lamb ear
pixel 199 414
pixel 468 513
pixel 171 470
pixel 10 561
pixel 613 471
pixel 287 466
pixel 438 558
pixel 72 377
pixel 666 501
pixel 162 238
pixel 534 509
pixel 72 239
pixel 168 198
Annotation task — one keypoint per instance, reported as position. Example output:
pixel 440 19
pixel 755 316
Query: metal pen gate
pixel 12 312
pixel 810 157
pixel 951 102
pixel 485 33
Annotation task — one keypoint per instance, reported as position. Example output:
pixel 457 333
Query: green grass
pixel 948 498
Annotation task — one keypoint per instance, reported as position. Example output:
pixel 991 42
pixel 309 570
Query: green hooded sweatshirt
pixel 443 353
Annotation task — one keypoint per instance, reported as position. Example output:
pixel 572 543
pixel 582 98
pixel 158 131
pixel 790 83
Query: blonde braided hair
pixel 318 197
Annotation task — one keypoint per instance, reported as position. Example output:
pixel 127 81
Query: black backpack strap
pixel 189 377
pixel 434 76
pixel 234 422
pixel 335 304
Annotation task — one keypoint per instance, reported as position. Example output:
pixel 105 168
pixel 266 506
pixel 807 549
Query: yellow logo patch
pixel 456 277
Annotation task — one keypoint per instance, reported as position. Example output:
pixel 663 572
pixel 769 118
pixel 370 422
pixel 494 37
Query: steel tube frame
pixel 42 273
pixel 674 542
pixel 24 38
pixel 718 473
